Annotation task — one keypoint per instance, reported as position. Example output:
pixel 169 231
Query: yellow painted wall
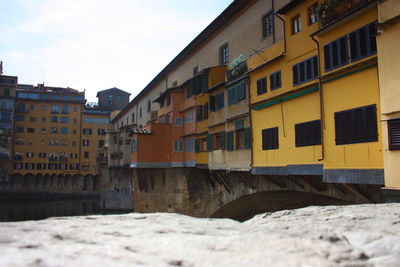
pixel 201 127
pixel 353 91
pixel 389 64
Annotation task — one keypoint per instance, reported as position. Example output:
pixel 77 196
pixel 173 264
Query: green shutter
pixel 223 140
pixel 209 142
pixel 229 141
pixel 234 94
pixel 241 91
pixel 206 111
pixel 197 145
pixel 247 137
pixel 239 124
pixel 212 103
pixel 230 95
pixel 204 83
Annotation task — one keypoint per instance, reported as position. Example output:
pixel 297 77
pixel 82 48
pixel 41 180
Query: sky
pixel 94 45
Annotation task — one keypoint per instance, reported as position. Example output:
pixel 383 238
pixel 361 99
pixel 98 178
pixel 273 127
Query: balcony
pixel 332 10
pixel 238 68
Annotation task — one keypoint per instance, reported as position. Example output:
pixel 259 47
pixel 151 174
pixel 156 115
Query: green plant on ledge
pixel 237 67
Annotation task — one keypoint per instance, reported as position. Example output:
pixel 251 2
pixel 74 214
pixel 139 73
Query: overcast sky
pixel 98 44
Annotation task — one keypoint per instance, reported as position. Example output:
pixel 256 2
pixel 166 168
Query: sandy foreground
pixel 359 235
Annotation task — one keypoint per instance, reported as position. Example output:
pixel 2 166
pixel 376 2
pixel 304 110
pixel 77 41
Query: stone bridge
pixel 238 195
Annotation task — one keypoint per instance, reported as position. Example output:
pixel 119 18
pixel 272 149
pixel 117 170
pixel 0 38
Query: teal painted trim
pixel 311 89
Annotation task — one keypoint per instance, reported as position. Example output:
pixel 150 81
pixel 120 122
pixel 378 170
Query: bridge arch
pixel 247 206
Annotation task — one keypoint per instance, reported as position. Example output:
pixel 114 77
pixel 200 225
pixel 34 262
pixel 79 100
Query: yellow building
pixel 315 96
pixel 47 130
pixel 94 124
pixel 389 82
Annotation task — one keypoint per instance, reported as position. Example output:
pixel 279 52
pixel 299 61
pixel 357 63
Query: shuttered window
pixel 356 125
pixel 305 71
pixel 219 139
pixel 236 93
pixel 206 111
pixel 199 113
pixel 262 86
pixel 217 102
pixel 363 42
pixel 308 133
pixel 229 141
pixel 394 134
pixel 275 80
pixel 336 54
pixel 209 142
pixel 270 138
pixel 197 145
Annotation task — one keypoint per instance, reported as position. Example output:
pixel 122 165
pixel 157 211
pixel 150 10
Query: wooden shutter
pixel 272 81
pixel 295 74
pixel 229 141
pixel 278 79
pixel 340 128
pixel 230 96
pixel 209 142
pixel 204 83
pixel 197 145
pixel 212 103
pixel 206 111
pixel 241 91
pixel 247 137
pixel 222 140
pixel 394 134
pixel 234 94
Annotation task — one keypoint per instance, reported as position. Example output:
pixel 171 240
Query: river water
pixel 20 210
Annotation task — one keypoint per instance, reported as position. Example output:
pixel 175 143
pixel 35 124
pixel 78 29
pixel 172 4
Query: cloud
pixel 98 44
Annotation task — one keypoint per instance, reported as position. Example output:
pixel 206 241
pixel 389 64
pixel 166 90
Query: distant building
pixel 112 99
pixel 8 86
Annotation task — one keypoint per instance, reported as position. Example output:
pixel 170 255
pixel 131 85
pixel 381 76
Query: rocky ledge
pixel 363 235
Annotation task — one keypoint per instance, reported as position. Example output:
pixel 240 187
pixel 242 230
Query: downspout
pixel 251 125
pixel 321 101
pixel 284 33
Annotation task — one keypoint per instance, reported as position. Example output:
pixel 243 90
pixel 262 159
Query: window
pixel 52 166
pixel 85 142
pixel 77 98
pixel 296 24
pixel 44 108
pixel 31 130
pixel 133 118
pixel 6 92
pixel 22 95
pixel 63 142
pixel 203 144
pixel 262 86
pixel 363 42
pixel 199 113
pixel 217 102
pixel 219 141
pixel 206 111
pixel 53 130
pixel 270 139
pixel 75 109
pixel 43 130
pixel 195 70
pixel 197 85
pixel 168 100
pixel 148 106
pixel 268 24
pixel 74 131
pixel 65 109
pixel 356 125
pixel 73 155
pixel 189 144
pixel 110 100
pixel 240 138
pixel 308 133
pixel 54 119
pixel 275 80
pixel 87 131
pixel 85 167
pixel 64 119
pixel 54 109
pixel 224 54
pixel 101 132
pixel 18 166
pixel 101 143
pixel 178 121
pixel 19 129
pixel 336 54
pixel 29 155
pixel 52 155
pixel 43 96
pixel 32 119
pixel 189 117
pixel 73 143
pixel 394 134
pixel 305 71
pixel 134 145
pixel 19 141
pixel 55 97
pixel 20 118
pixel 86 154
pixel 41 166
pixel 53 142
pixel 236 93
pixel 313 14
pixel 29 166
pixel 66 97
pixel 178 146
pixel 74 166
pixel 162 103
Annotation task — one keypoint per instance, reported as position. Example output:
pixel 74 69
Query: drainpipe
pixel 284 33
pixel 321 101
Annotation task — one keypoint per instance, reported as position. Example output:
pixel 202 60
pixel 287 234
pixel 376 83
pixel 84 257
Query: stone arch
pixel 247 206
